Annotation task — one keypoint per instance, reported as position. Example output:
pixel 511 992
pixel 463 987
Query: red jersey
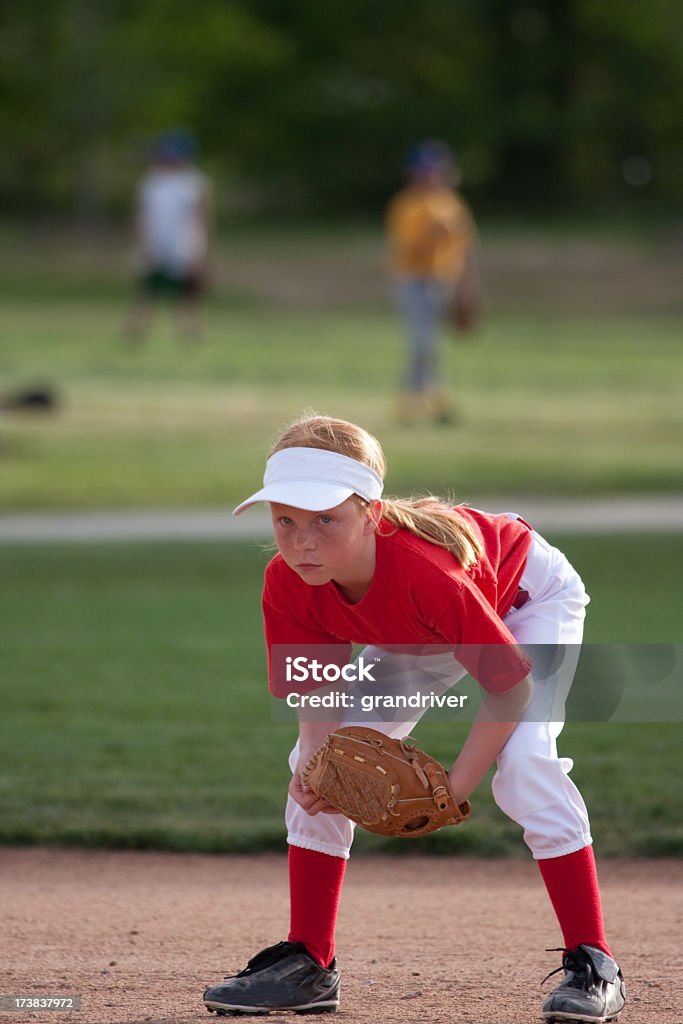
pixel 419 595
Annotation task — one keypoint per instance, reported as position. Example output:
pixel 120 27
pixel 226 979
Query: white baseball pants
pixel 531 784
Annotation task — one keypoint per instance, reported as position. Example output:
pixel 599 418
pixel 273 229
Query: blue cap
pixel 175 145
pixel 428 155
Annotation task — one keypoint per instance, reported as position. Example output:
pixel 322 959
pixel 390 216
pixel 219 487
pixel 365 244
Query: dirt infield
pixel 435 940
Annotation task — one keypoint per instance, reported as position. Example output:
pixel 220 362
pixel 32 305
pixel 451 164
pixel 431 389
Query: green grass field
pixel 135 707
pixel 569 388
pixel 569 408
pixel 132 687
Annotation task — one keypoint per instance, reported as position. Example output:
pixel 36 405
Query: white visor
pixel 314 479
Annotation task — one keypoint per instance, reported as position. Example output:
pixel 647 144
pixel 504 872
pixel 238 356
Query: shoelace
pixel 572 960
pixel 265 958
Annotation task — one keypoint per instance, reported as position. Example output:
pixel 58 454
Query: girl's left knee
pixel 527 782
pixel 536 792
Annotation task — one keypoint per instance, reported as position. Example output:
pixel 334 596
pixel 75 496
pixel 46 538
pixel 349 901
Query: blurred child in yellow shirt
pixel 432 242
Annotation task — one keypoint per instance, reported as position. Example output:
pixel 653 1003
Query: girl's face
pixel 336 544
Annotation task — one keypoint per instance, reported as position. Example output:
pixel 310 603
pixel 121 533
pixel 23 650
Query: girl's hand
pixel 304 795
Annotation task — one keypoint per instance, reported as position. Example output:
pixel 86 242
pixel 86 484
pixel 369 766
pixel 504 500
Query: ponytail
pixel 436 522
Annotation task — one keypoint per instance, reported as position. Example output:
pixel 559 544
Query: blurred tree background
pixel 306 109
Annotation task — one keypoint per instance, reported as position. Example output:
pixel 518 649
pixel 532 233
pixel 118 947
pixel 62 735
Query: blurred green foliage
pixel 307 108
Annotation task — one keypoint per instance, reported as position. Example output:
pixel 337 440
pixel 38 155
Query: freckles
pixel 281 542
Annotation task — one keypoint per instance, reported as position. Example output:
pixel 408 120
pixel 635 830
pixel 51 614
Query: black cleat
pixel 281 977
pixel 593 989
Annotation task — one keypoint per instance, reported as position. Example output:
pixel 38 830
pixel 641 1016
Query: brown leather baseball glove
pixel 388 786
pixel 464 312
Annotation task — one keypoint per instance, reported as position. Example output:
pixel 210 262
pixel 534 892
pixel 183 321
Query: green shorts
pixel 163 283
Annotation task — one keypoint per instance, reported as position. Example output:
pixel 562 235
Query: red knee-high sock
pixel 572 884
pixel 315 881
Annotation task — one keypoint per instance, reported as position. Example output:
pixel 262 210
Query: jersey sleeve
pixel 482 642
pixel 294 641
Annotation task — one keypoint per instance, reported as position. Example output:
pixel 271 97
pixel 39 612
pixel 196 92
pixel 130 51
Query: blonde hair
pixel 428 517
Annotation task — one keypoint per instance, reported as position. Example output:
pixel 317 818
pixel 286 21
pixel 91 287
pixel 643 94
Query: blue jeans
pixel 422 301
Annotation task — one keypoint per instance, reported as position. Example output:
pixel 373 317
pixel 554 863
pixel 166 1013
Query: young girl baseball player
pixel 354 568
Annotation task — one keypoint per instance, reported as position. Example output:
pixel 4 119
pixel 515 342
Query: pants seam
pixel 318 847
pixel 564 851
